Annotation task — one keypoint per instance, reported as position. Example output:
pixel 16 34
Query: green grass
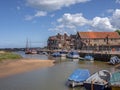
pixel 9 55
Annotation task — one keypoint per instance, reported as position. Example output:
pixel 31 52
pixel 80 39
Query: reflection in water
pixel 53 78
pixel 34 56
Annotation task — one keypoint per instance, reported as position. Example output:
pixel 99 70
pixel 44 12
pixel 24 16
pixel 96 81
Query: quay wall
pixel 98 55
pixel 101 56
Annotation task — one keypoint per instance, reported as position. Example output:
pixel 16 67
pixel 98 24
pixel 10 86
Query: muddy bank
pixel 11 67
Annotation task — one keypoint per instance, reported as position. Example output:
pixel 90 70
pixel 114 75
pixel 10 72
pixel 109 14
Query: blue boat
pixel 73 55
pixel 88 57
pixel 78 77
pixel 98 81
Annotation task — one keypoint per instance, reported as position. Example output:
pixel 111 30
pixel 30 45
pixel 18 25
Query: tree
pixel 118 31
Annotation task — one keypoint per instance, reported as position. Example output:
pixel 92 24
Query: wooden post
pixel 92 86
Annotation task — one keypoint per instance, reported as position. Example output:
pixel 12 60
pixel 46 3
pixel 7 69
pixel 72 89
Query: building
pixel 97 40
pixel 72 41
pixel 58 42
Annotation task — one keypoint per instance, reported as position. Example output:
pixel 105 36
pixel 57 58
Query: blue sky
pixel 39 19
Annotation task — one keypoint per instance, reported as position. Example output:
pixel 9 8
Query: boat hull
pixel 73 83
pixel 89 86
pixel 31 52
pixel 78 77
pixel 73 56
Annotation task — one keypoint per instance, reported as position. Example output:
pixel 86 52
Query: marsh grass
pixel 9 55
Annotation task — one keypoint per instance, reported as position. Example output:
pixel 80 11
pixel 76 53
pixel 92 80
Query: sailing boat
pixel 28 50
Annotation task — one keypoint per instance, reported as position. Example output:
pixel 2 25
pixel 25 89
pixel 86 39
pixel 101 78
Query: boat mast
pixel 27 48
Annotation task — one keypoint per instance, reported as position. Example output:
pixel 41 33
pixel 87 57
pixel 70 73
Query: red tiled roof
pixel 94 35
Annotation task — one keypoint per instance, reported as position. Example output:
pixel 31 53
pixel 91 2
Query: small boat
pixel 27 51
pixel 78 77
pixel 56 54
pixel 114 60
pixel 44 53
pixel 98 81
pixel 73 55
pixel 33 51
pixel 115 81
pixel 63 54
pixel 88 57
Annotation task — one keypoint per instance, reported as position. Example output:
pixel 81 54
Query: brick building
pixel 59 42
pixel 97 40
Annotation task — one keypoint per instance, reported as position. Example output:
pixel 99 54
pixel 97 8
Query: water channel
pixel 52 78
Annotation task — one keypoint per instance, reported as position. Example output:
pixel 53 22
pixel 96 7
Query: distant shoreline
pixel 12 67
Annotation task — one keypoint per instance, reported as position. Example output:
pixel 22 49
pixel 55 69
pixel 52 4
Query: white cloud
pixel 28 17
pixel 76 22
pixel 51 5
pixel 40 13
pixel 118 1
pixel 70 22
pixel 110 10
pixel 37 14
pixel 101 24
pixel 115 19
pixel 73 19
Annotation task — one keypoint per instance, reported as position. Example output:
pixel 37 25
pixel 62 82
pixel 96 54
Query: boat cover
pixel 114 60
pixel 100 77
pixel 115 79
pixel 79 75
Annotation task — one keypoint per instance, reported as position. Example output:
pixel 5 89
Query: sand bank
pixel 11 67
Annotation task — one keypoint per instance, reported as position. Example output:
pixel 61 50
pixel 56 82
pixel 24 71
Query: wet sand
pixel 12 67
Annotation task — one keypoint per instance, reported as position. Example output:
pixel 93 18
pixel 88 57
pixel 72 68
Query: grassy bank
pixel 9 55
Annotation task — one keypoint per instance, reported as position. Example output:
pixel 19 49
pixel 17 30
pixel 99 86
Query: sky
pixel 36 20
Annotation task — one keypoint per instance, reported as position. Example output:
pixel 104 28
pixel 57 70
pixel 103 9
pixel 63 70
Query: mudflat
pixel 12 67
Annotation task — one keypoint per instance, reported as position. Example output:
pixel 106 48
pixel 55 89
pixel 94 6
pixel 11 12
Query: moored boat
pixel 27 51
pixel 114 60
pixel 33 51
pixel 56 54
pixel 115 81
pixel 78 77
pixel 98 81
pixel 63 53
pixel 73 55
pixel 88 57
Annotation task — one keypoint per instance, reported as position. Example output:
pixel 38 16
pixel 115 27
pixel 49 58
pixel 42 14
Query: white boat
pixel 63 53
pixel 98 81
pixel 33 51
pixel 73 55
pixel 81 58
